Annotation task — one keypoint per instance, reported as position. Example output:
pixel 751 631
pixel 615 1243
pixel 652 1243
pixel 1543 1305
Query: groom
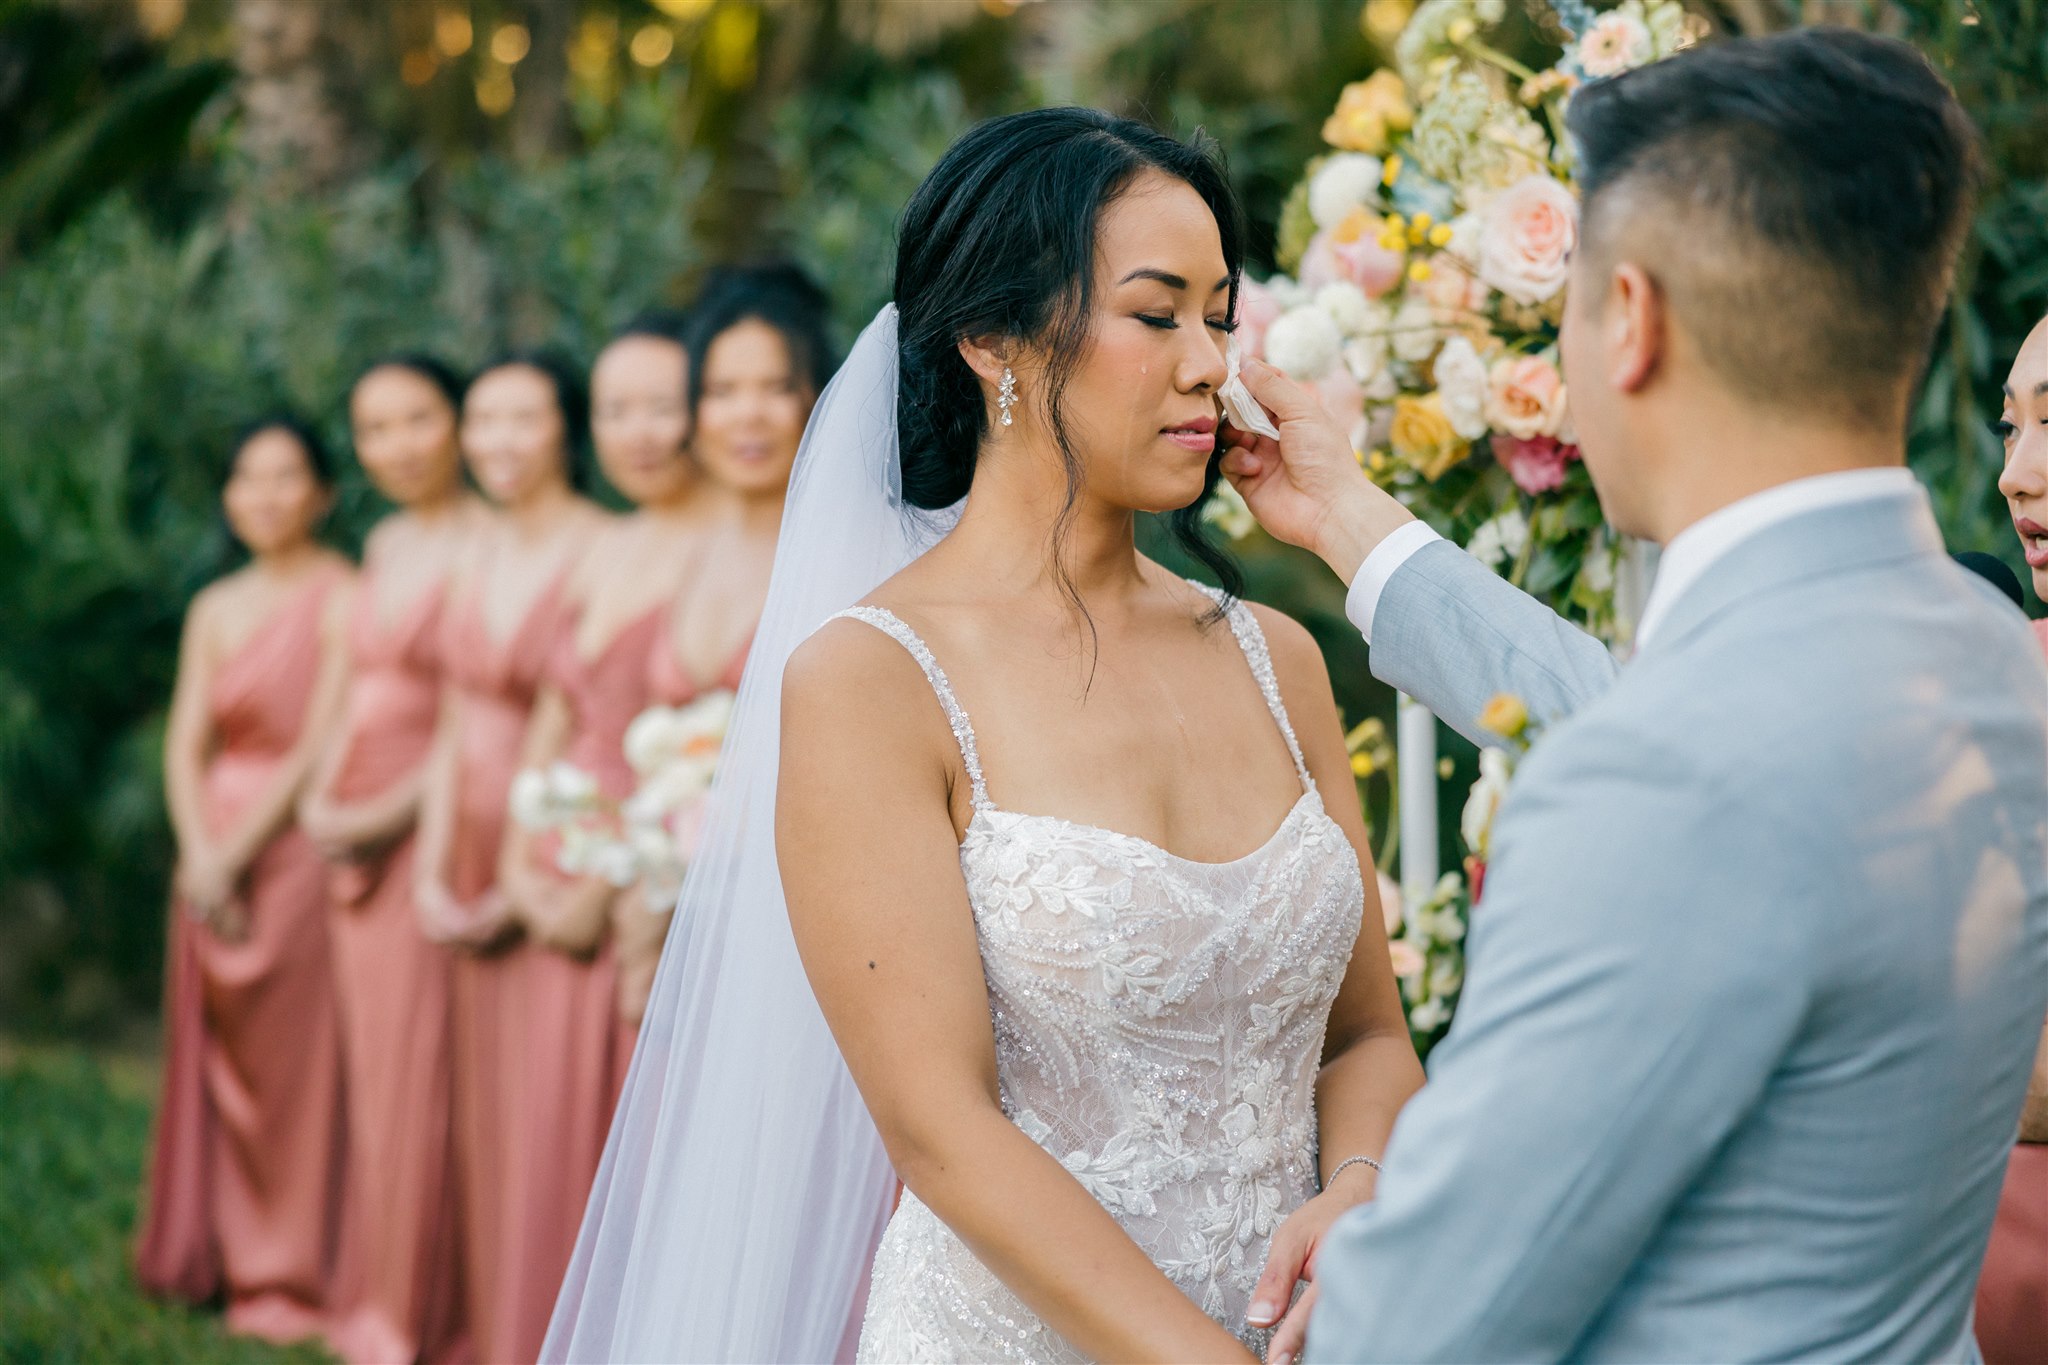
pixel 1763 954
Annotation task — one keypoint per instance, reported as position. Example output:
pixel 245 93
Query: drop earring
pixel 1006 397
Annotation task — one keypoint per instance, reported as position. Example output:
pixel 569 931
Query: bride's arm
pixel 870 863
pixel 1369 1064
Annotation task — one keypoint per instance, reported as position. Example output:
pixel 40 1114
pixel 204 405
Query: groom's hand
pixel 1306 488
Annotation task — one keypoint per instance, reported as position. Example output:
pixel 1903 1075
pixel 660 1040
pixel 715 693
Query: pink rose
pixel 1536 465
pixel 1452 290
pixel 1343 400
pixel 1363 262
pixel 1256 310
pixel 1525 397
pixel 1526 238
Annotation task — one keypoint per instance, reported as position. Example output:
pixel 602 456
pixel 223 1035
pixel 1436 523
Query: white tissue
pixel 1239 406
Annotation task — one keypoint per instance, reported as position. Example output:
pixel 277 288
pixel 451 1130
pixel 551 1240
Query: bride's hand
pixel 1306 488
pixel 1292 1257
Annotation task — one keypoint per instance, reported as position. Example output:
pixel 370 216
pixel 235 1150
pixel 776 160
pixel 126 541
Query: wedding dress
pixel 1158 1026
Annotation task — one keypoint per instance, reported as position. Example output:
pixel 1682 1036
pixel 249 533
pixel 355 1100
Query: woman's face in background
pixel 1140 407
pixel 639 419
pixel 404 432
pixel 514 435
pixel 752 409
pixel 272 498
pixel 2024 429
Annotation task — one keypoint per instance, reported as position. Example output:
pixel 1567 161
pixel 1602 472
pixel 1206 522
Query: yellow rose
pixel 1368 113
pixel 1506 715
pixel 1423 436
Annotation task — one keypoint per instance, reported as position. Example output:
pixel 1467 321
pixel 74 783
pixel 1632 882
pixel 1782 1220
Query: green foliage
pixel 70 1173
pixel 126 360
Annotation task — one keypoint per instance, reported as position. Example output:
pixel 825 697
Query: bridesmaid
pixel 247 1168
pixel 761 355
pixel 520 420
pixel 572 1045
pixel 2012 1297
pixel 360 809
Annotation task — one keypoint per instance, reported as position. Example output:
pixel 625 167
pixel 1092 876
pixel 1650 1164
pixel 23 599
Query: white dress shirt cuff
pixel 1379 569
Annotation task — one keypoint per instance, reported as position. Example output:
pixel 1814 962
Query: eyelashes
pixel 2004 430
pixel 1167 324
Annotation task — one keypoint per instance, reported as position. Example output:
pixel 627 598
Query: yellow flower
pixel 1461 29
pixel 1440 235
pixel 1420 272
pixel 1369 113
pixel 1423 436
pixel 1362 765
pixel 1390 171
pixel 1507 715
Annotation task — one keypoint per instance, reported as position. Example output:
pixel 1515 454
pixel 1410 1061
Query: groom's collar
pixel 1796 531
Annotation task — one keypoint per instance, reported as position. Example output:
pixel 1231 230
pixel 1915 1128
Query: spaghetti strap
pixel 893 626
pixel 1252 640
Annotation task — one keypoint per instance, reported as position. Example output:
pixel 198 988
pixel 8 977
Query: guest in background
pixel 521 420
pixel 2012 1296
pixel 761 354
pixel 247 1169
pixel 569 1040
pixel 403 1302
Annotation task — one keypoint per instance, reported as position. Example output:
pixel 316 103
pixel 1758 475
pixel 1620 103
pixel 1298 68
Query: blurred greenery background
pixel 209 208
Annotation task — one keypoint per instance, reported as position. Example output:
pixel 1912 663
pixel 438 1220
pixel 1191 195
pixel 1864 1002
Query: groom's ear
pixel 987 357
pixel 1637 326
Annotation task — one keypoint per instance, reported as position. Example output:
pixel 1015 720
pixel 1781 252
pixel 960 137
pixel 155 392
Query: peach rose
pixel 1527 237
pixel 1257 309
pixel 1525 397
pixel 1368 113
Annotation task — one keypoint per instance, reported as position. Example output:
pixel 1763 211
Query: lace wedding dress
pixel 1158 1026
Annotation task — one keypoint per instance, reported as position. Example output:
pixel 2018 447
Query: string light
pixel 511 43
pixel 652 45
pixel 453 33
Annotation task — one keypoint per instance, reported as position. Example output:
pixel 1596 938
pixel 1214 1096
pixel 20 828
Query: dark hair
pixel 999 240
pixel 318 462
pixel 1822 180
pixel 663 324
pixel 571 401
pixel 777 293
pixel 1994 571
pixel 429 368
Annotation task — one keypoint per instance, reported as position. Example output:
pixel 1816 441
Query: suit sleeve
pixel 1637 972
pixel 1453 635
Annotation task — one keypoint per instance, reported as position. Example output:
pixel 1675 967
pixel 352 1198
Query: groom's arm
pixel 1452 634
pixel 1638 970
pixel 1443 628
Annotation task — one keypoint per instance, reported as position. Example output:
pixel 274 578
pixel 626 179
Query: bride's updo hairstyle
pixel 999 241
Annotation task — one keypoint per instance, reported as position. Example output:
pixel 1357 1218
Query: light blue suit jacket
pixel 1758 976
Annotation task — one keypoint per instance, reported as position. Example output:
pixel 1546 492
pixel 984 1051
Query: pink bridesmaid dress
pixel 498 1091
pixel 574 1047
pixel 247 1172
pixel 2012 1296
pixel 394 985
pixel 669 685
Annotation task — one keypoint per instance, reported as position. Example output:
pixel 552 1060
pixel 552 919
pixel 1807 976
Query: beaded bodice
pixel 1158 1026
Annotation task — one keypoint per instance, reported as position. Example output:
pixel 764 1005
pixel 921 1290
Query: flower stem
pixel 1497 58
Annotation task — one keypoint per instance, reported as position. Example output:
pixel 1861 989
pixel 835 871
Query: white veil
pixel 744 1186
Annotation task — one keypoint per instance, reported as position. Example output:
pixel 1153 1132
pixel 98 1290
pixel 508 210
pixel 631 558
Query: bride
pixel 1102 958
pixel 1067 887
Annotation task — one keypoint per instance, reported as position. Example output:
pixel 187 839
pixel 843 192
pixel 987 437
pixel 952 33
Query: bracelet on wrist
pixel 1351 1161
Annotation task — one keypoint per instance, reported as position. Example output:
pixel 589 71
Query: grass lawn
pixel 74 1126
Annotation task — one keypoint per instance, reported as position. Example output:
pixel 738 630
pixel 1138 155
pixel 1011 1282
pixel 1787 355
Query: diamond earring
pixel 1006 397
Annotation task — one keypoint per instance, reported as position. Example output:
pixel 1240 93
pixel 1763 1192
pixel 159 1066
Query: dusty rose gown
pixel 246 1174
pixel 2012 1296
pixel 499 1088
pixel 405 1297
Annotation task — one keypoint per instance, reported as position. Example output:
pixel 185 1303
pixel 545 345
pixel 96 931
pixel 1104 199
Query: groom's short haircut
pixel 1799 199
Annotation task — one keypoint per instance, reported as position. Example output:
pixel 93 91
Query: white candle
pixel 1415 742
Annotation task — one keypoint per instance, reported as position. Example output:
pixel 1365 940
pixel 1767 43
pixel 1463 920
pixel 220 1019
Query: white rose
pixel 1476 825
pixel 1461 380
pixel 1526 240
pixel 1343 182
pixel 1428 1016
pixel 570 788
pixel 1347 306
pixel 1501 540
pixel 1415 331
pixel 1366 358
pixel 650 739
pixel 1303 343
pixel 529 800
